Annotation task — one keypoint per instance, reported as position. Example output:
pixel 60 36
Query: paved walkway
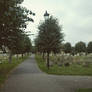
pixel 28 78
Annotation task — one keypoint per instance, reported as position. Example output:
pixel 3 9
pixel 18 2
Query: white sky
pixel 74 15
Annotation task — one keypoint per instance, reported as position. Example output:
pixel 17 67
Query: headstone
pixel 51 63
pixel 60 64
pixel 86 64
pixel 67 64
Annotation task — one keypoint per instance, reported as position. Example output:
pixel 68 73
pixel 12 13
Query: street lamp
pixel 46 15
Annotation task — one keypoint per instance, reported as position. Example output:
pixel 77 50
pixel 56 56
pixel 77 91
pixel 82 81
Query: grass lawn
pixel 5 67
pixel 85 90
pixel 73 69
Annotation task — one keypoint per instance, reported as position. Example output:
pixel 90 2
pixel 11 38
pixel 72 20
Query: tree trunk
pixel 10 57
pixel 86 53
pixel 28 53
pixel 22 55
pixel 43 55
pixel 48 60
pixel 80 54
pixel 17 56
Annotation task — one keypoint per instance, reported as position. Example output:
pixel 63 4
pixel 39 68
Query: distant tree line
pixel 78 48
pixel 13 22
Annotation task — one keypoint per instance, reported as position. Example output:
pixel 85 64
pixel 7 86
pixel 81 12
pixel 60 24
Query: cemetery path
pixel 27 77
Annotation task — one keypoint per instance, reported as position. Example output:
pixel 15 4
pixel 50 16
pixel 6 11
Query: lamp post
pixel 46 15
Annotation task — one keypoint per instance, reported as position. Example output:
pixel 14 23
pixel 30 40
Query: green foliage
pixel 89 47
pixel 13 22
pixel 67 47
pixel 50 35
pixel 80 47
pixel 22 45
pixel 27 44
pixel 85 90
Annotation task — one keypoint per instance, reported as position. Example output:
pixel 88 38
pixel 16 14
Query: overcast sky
pixel 74 15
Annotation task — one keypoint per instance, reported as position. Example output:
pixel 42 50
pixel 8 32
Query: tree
pixel 27 45
pixel 67 47
pixel 89 47
pixel 50 36
pixel 80 47
pixel 73 52
pixel 13 20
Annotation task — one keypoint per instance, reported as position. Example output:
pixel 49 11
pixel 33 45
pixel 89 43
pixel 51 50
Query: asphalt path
pixel 27 77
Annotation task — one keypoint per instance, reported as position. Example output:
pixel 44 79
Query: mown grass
pixel 5 67
pixel 85 90
pixel 73 69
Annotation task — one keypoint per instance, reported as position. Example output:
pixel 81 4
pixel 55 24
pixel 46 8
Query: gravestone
pixel 67 64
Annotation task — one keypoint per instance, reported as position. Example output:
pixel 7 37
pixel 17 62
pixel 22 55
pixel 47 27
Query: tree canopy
pixel 80 47
pixel 67 47
pixel 13 22
pixel 89 47
pixel 50 35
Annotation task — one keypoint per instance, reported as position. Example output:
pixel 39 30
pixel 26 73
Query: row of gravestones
pixel 67 60
pixel 3 57
pixel 61 60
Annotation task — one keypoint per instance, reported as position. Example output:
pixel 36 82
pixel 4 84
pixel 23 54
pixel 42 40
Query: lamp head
pixel 46 15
